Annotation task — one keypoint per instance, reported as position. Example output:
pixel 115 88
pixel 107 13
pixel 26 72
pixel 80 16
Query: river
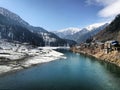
pixel 77 72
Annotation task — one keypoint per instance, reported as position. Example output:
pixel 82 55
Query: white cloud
pixel 111 8
pixel 99 2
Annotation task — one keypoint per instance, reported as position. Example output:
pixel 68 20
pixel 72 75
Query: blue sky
pixel 60 14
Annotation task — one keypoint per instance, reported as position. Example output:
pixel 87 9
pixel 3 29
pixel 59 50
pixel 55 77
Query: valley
pixel 59 44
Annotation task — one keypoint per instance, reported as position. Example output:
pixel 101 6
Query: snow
pixel 43 56
pixel 94 26
pixel 69 31
pixel 11 55
pixel 53 48
pixel 72 29
pixel 46 56
pixel 47 38
pixel 27 56
pixel 5 68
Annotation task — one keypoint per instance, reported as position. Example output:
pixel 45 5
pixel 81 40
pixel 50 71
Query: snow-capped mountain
pixel 13 27
pixel 66 32
pixel 92 30
pixel 69 31
pixel 80 35
pixel 95 26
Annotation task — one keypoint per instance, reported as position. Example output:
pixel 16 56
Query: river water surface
pixel 77 72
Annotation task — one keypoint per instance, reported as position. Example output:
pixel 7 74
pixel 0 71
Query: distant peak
pixel 96 25
pixel 72 29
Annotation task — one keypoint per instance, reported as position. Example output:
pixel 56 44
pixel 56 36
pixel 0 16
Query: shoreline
pixel 35 57
pixel 109 58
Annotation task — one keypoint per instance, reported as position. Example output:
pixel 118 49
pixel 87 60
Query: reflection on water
pixel 112 68
pixel 77 72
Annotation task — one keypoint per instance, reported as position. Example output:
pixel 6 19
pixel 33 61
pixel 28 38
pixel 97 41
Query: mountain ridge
pixel 81 34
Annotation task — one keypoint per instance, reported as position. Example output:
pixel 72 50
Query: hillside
pixel 13 27
pixel 12 31
pixel 111 32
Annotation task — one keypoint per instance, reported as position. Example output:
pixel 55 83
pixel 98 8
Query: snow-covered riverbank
pixel 43 56
pixel 34 57
pixel 16 59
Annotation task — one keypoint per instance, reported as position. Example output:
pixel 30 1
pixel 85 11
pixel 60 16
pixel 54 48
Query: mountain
pixel 66 32
pixel 95 26
pixel 92 30
pixel 12 16
pixel 80 35
pixel 111 32
pixel 13 27
pixel 11 30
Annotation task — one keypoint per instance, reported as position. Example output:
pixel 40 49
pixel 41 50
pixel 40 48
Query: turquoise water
pixel 77 72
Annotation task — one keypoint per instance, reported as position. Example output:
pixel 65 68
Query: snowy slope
pixel 95 26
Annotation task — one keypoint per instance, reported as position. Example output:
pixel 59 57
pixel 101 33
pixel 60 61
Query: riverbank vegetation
pixel 108 51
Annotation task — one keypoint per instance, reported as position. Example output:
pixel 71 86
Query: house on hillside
pixel 115 46
pixel 100 45
pixel 112 45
